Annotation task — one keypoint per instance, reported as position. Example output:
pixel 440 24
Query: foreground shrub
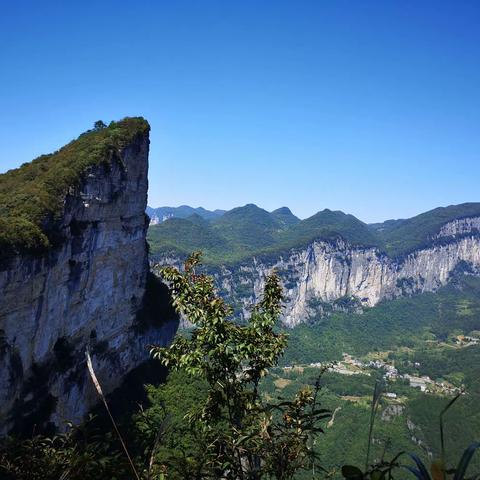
pixel 241 436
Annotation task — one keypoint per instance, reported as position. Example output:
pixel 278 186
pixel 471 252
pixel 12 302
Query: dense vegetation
pixel 407 322
pixel 229 432
pixel 239 435
pixel 233 236
pixel 249 230
pixel 181 430
pixel 409 423
pixel 417 335
pixel 245 231
pixel 31 196
pixel 403 236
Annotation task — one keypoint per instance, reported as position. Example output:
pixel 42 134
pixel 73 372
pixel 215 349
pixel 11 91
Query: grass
pixel 281 382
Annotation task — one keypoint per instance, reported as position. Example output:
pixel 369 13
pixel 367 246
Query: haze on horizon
pixel 371 107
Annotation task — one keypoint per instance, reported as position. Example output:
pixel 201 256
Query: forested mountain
pixel 259 231
pixel 329 259
pixel 403 236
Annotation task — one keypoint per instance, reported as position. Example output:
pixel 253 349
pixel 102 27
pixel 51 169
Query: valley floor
pixel 424 350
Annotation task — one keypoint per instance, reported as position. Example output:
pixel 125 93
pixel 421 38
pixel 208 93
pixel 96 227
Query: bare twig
pixel 98 387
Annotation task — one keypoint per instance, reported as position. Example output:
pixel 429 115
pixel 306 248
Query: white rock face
pixel 460 227
pixel 330 272
pixel 85 292
pixel 340 274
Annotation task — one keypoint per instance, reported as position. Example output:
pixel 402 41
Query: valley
pixel 240 240
pixel 396 302
pixel 419 337
pixel 411 345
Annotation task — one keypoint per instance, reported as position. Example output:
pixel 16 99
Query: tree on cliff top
pixel 99 125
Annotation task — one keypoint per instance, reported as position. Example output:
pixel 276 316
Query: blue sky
pixel 371 107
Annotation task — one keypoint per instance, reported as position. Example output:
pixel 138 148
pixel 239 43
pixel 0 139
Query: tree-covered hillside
pixel 408 322
pixel 418 336
pixel 285 216
pixel 250 230
pixel 31 196
pixel 402 236
pixel 237 234
pixel 329 225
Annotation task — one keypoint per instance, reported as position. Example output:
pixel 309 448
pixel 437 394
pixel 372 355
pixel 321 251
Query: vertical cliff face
pixel 86 290
pixel 335 275
pixel 341 275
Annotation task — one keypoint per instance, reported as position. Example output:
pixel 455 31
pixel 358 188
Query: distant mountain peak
pixel 283 211
pixel 160 214
pixel 196 218
pixel 250 210
pixel 285 216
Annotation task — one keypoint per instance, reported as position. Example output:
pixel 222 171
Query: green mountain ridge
pixel 405 235
pixel 329 225
pixel 285 216
pixel 250 230
pixel 250 227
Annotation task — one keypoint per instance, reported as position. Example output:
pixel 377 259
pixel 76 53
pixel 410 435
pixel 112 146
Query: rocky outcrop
pixel 459 227
pixel 326 276
pixel 88 290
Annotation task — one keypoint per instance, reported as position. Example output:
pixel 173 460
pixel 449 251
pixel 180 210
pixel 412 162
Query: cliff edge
pixel 74 274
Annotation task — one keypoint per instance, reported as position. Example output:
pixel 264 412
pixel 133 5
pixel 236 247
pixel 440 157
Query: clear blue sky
pixel 371 107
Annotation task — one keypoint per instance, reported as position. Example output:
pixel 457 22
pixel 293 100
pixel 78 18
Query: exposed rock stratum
pixel 87 290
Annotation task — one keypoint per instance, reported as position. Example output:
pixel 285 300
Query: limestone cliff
pixel 88 288
pixel 329 275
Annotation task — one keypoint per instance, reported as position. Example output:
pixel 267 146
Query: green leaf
pixel 351 472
